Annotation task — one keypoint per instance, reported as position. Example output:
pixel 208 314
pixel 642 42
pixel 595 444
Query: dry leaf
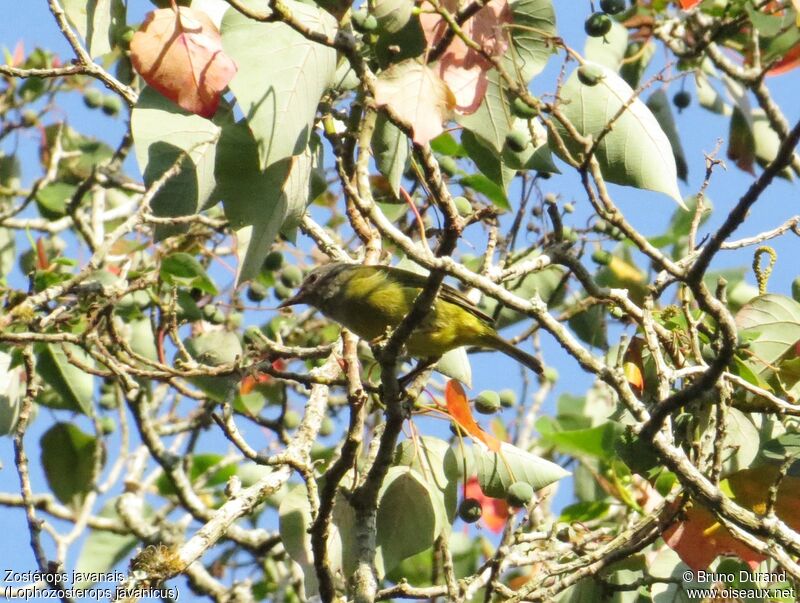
pixel 180 55
pixel 418 96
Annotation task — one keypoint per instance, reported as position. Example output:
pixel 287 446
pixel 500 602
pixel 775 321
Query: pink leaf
pixel 462 68
pixel 180 55
pixel 418 96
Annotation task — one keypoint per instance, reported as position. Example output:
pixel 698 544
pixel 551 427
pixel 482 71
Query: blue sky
pixel 700 132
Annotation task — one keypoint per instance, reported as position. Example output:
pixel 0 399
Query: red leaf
pixel 791 60
pixel 458 407
pixel 180 55
pixel 494 511
pixel 18 57
pixel 687 4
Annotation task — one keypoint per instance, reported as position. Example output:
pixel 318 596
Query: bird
pixel 368 300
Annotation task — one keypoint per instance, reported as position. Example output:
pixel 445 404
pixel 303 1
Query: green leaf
pixel 97 21
pixel 597 442
pixel 68 462
pixel 281 78
pixel 659 105
pixel 498 470
pixel 493 120
pixel 215 348
pixel 772 325
pixel 591 326
pixel 392 15
pixel 636 152
pixel 481 184
pixel 608 50
pixel 406 499
pixel 183 270
pixel 434 460
pixel 455 364
pixel 487 160
pixel 390 148
pixel 73 387
pixel 53 199
pixel 103 550
pixel 633 71
pixel 165 135
pixel 584 511
pixel 8 251
pixel 533 27
pixel 206 466
pixel 767 142
pixel 11 391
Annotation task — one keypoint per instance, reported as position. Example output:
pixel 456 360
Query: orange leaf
pixel 699 538
pixel 494 511
pixel 458 407
pixel 18 57
pixel 180 55
pixel 791 60
pixel 687 4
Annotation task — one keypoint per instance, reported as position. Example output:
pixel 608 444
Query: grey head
pixel 320 285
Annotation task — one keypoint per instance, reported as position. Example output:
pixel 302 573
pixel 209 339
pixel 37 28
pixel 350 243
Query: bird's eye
pixel 312 279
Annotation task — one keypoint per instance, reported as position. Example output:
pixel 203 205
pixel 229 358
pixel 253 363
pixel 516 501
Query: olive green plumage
pixel 368 299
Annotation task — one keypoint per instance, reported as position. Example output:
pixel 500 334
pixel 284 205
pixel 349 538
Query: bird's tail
pixel 496 342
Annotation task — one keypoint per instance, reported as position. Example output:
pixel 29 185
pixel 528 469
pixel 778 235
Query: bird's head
pixel 319 285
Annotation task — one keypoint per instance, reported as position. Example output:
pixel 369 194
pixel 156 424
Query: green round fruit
pixel 92 98
pixel 612 7
pixel 363 21
pixel 597 25
pixel 522 109
pixel 569 208
pixel 590 75
pixel 107 425
pixel 682 99
pixel 282 292
pixel 252 334
pixel 126 36
pixel 601 257
pixel 291 275
pixel 487 402
pixel 456 430
pixel 448 165
pixel 550 374
pixel 508 398
pixel 600 226
pixel 617 312
pixel 256 292
pixel 520 494
pixel 796 289
pixel 291 419
pixel 463 206
pixel 108 400
pixel 209 312
pixel 111 105
pixel 273 261
pixel 469 510
pixel 29 118
pixel 517 141
pixel 326 427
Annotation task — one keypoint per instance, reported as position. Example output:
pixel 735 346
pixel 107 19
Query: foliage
pixel 186 426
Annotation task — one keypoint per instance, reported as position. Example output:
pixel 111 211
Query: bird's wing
pixel 446 293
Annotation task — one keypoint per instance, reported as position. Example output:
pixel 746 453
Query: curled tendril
pixel 762 274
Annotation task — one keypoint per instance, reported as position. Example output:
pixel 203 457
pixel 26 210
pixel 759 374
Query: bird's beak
pixel 297 298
